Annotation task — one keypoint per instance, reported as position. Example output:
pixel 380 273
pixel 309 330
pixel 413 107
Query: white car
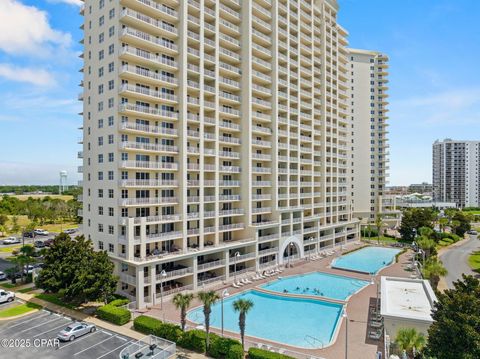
pixel 12 240
pixel 6 296
pixel 40 232
pixel 3 276
pixel 75 330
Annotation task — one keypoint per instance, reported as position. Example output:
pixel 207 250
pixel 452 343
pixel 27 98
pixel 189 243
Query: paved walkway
pixel 360 346
pixel 455 259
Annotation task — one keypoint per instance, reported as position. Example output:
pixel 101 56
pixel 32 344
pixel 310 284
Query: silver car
pixel 75 330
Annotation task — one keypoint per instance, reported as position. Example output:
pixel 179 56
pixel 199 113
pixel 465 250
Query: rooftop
pixel 407 298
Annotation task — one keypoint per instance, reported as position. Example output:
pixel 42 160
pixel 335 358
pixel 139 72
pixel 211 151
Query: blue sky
pixel 434 81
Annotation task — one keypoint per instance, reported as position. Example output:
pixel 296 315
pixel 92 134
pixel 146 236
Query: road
pixel 456 260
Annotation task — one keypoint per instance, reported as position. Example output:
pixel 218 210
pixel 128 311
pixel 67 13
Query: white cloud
pixel 25 29
pixel 33 76
pixel 36 173
pixel 69 2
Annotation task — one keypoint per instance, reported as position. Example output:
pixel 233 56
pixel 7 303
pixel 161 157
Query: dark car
pixel 29 234
pixel 39 244
pixel 48 242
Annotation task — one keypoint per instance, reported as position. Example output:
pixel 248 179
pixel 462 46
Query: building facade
pixel 216 138
pixel 369 157
pixel 456 172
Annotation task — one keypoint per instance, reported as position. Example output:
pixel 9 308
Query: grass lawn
pixel 8 285
pixel 26 290
pixel 24 197
pixel 55 299
pixel 384 239
pixel 474 261
pixel 18 309
pixel 23 221
pixel 9 249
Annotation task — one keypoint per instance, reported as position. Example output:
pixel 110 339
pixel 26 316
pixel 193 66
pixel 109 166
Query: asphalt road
pixel 456 260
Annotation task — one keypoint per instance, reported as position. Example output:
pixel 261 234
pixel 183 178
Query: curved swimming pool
pixel 299 322
pixel 319 284
pixel 366 260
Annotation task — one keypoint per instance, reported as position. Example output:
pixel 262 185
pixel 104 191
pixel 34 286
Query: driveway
pixel 455 259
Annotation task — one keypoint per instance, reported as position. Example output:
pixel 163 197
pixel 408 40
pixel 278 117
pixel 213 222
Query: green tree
pixel 415 218
pixel 208 299
pixel 15 226
pixel 25 258
pixel 433 270
pixel 461 223
pixel 3 219
pixel 409 339
pixel 443 222
pixel 182 302
pixel 428 245
pixel 378 225
pixel 242 306
pixel 455 331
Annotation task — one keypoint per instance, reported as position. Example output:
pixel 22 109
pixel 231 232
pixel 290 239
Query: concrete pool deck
pixel 359 345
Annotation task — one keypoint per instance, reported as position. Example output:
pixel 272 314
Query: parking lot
pixel 37 333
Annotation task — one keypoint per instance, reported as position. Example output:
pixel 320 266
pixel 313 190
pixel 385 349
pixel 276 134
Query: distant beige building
pixel 369 158
pixel 216 138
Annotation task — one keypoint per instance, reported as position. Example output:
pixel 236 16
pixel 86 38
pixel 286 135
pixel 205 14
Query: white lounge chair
pixel 234 285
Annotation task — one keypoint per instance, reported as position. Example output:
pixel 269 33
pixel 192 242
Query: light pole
pixel 237 254
pixel 290 246
pixel 373 281
pixel 163 274
pixel 224 295
pixel 344 315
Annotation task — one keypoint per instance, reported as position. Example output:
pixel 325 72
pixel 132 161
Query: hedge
pixel 194 340
pixel 221 347
pixel 149 325
pixel 256 353
pixel 114 314
pixel 145 324
pixel 119 302
pixel 235 352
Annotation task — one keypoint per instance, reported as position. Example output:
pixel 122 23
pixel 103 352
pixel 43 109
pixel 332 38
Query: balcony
pixel 147 23
pixel 147 147
pixel 150 112
pixel 147 201
pixel 147 93
pixel 146 75
pixel 136 54
pixel 150 129
pixel 153 165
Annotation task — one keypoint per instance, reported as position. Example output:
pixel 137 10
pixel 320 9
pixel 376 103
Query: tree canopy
pixel 415 218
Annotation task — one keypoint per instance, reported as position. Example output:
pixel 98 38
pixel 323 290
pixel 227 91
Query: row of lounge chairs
pixel 258 276
pixel 323 254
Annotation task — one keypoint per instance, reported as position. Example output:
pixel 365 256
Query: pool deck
pixel 359 345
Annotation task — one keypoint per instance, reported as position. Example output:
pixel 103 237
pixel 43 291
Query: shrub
pixel 194 340
pixel 115 315
pixel 220 347
pixel 256 353
pixel 119 302
pixel 235 352
pixel 365 233
pixel 145 324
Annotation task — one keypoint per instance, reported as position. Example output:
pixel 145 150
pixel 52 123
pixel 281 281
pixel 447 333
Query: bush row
pixel 114 314
pixel 119 302
pixel 256 353
pixel 221 348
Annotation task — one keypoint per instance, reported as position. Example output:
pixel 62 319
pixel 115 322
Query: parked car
pixel 6 296
pixel 39 265
pixel 3 276
pixel 48 242
pixel 14 275
pixel 75 330
pixel 70 231
pixel 28 269
pixel 29 234
pixel 39 244
pixel 473 232
pixel 12 240
pixel 40 232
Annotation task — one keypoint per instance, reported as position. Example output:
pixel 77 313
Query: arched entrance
pixel 291 248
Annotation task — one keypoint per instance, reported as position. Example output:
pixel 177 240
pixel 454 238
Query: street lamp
pixel 345 316
pixel 237 254
pixel 373 281
pixel 163 274
pixel 290 246
pixel 224 295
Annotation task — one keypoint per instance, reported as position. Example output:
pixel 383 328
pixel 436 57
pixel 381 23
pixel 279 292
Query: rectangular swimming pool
pixel 367 260
pixel 318 283
pixel 298 322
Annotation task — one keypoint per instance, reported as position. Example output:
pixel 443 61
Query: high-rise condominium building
pixel 456 167
pixel 369 163
pixel 216 137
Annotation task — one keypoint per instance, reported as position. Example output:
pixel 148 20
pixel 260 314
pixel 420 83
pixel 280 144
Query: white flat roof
pixel 407 298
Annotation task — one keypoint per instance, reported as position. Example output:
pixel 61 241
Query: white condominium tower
pixel 369 164
pixel 216 138
pixel 456 166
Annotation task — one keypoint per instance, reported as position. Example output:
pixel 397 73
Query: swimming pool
pixel 299 322
pixel 366 260
pixel 317 283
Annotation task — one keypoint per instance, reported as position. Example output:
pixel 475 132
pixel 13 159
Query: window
pixel 100 245
pixel 110 231
pixel 100 193
pixel 111 31
pixel 100 227
pixel 100 89
pixel 110 247
pixel 111 49
pixel 100 176
pixel 110 139
pixel 101 4
pixel 110 102
pixel 100 158
pixel 101 21
pixel 100 211
pixel 100 141
pixel 100 106
pixel 101 38
pixel 111 84
pixel 110 157
pixel 100 123
pixel 124 212
pixel 111 66
pixel 124 156
pixel 111 13
pixel 110 211
pixel 100 72
pixel 101 55
pixel 110 120
pixel 110 193
pixel 110 175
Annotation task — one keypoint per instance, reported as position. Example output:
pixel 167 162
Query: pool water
pixel 300 322
pixel 317 283
pixel 367 260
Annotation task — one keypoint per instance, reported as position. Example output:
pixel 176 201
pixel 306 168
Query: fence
pixel 151 346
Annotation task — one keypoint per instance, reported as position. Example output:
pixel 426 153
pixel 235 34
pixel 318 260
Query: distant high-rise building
pixel 368 100
pixel 456 167
pixel 216 137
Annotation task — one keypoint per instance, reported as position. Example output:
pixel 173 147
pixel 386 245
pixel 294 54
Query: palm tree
pixel 242 306
pixel 379 225
pixel 182 302
pixel 409 339
pixel 433 270
pixel 208 299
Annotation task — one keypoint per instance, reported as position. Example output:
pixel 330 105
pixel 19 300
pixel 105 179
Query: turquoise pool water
pixel 292 321
pixel 367 260
pixel 317 283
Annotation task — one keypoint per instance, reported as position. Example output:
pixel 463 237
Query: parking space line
pixel 111 351
pixel 61 325
pixel 78 340
pixel 29 320
pixel 94 345
pixel 122 338
pixel 35 326
pixel 103 331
